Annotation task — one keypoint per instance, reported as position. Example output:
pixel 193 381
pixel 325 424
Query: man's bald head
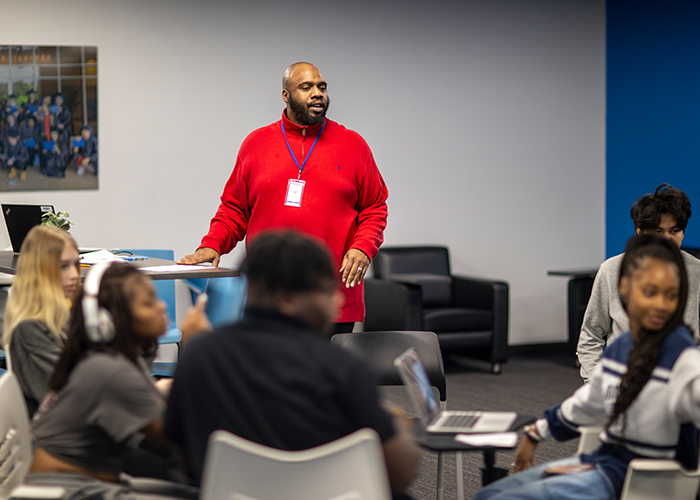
pixel 291 69
pixel 305 92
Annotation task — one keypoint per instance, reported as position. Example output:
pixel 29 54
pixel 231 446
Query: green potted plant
pixel 59 220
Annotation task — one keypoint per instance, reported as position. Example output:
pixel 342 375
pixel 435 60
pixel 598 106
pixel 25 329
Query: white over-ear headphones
pixel 98 321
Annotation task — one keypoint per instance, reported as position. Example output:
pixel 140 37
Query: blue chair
pixel 196 286
pixel 166 293
pixel 227 297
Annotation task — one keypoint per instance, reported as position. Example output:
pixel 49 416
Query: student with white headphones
pixel 103 401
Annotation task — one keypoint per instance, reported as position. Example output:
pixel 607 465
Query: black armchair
pixel 413 289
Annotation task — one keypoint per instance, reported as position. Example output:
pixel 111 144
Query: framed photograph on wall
pixel 48 118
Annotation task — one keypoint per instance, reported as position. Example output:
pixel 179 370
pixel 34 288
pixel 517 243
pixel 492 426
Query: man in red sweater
pixel 309 173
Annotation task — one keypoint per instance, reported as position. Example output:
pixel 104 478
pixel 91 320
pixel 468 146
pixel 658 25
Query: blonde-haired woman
pixel 37 310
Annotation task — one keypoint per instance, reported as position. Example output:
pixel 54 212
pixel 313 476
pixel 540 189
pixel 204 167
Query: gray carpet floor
pixel 526 385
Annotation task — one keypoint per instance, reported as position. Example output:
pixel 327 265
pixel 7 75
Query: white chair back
pixel 647 478
pixel 350 468
pixel 15 448
pixel 653 479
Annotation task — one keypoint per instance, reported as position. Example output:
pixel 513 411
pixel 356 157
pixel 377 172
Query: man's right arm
pixel 230 223
pixel 597 325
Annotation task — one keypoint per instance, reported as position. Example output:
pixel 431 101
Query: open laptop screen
pixel 416 379
pixel 19 219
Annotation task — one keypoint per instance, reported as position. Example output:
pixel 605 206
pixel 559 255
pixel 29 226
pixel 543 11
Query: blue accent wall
pixel 653 108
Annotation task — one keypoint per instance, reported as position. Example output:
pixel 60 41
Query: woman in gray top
pixel 37 310
pixel 102 401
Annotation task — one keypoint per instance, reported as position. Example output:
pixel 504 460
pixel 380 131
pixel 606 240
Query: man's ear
pixel 285 95
pixel 639 231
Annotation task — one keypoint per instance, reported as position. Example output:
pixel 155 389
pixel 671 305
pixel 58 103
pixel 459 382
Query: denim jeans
pixel 534 484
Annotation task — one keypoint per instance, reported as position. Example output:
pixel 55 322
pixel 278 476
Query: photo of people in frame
pixel 48 118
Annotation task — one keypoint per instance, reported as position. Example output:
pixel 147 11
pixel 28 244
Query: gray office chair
pixel 379 349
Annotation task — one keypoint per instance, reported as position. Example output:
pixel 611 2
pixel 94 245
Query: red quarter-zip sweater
pixel 343 204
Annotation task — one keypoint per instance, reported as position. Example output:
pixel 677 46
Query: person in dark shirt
pixel 14 155
pixel 30 107
pixel 10 108
pixel 62 119
pixel 30 133
pixel 86 155
pixel 11 126
pixel 274 377
pixel 44 117
pixel 54 159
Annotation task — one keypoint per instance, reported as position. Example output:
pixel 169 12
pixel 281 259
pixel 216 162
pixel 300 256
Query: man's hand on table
pixel 202 254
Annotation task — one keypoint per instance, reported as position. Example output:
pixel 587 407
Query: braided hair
pixel 646 351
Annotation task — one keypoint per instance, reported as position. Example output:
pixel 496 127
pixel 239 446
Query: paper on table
pixel 99 256
pixel 174 268
pixel 500 439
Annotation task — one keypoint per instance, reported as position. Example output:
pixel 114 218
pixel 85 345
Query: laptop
pixel 427 405
pixel 20 219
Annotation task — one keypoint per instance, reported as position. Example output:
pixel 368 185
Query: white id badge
pixel 295 191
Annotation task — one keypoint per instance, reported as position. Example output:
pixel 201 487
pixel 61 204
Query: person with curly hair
pixel 666 213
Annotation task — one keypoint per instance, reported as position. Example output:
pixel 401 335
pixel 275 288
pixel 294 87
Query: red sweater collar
pixel 292 128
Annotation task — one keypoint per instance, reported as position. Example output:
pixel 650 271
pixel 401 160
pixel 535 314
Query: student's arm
pixel 525 454
pixel 684 386
pixel 585 407
pixel 597 323
pixel 128 404
pixel 34 354
pixel 401 454
pixel 196 320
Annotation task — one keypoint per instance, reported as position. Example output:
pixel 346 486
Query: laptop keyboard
pixel 463 421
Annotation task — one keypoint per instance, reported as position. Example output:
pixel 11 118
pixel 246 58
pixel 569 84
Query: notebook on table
pixel 20 219
pixel 427 406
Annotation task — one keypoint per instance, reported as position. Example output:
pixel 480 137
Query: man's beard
pixel 302 112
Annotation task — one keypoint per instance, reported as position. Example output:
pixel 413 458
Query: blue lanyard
pixel 301 168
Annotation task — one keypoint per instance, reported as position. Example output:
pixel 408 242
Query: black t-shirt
pixel 271 380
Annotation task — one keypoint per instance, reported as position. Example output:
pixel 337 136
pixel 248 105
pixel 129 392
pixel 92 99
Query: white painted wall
pixel 486 117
